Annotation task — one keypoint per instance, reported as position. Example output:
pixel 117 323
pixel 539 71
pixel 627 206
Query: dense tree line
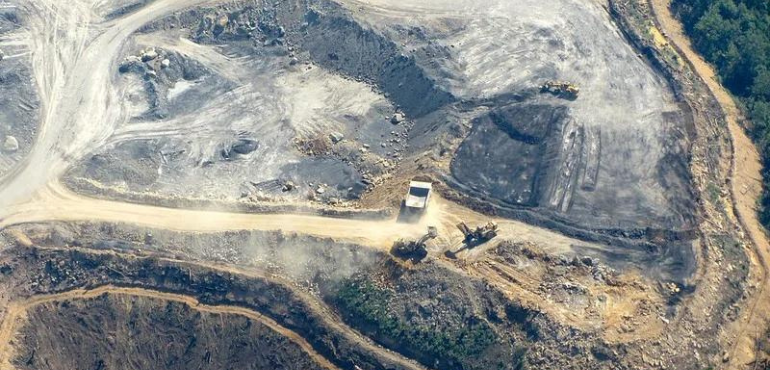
pixel 734 35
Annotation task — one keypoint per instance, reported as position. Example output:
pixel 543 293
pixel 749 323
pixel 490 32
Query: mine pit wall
pixel 669 252
pixel 328 35
pixel 711 141
pixel 548 172
pixel 340 44
pixel 325 33
pixel 557 175
pixel 669 244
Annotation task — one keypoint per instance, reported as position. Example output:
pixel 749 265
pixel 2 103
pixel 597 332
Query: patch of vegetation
pixel 734 35
pixel 713 193
pixel 368 304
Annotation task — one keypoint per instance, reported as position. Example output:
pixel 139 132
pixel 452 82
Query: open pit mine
pixel 369 184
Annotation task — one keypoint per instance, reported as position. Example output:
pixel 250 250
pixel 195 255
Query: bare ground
pixel 745 188
pixel 29 312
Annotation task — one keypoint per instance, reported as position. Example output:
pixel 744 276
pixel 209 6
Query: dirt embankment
pixel 722 280
pixel 436 311
pixel 30 272
pixel 125 327
pixel 744 183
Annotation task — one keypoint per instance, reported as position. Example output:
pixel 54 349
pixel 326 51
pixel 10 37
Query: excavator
pixel 478 236
pixel 414 249
pixel 474 237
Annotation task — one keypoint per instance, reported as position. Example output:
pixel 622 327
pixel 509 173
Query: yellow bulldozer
pixel 562 89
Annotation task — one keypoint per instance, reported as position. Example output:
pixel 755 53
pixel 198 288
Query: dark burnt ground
pixel 128 332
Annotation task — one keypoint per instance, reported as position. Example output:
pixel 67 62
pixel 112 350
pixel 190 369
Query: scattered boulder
pixel 336 137
pixel 1 55
pixel 223 21
pixel 397 118
pixel 10 144
pixel 149 55
pixel 245 146
pixel 288 186
pixel 131 62
pixel 165 63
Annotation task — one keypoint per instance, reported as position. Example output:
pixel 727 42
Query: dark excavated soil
pixel 127 332
pixel 538 156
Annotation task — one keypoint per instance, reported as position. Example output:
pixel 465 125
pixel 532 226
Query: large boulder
pixel 245 146
pixel 149 55
pixel 10 144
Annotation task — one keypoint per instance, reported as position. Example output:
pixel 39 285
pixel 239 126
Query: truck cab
pixel 418 196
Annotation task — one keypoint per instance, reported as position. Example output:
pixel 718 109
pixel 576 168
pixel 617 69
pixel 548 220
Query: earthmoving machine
pixel 473 237
pixel 562 89
pixel 416 202
pixel 414 249
pixel 480 235
pixel 418 196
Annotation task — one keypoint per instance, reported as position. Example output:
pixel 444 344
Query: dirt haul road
pixel 745 186
pixel 17 312
pixel 55 203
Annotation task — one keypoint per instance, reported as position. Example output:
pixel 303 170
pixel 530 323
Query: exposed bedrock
pixel 329 95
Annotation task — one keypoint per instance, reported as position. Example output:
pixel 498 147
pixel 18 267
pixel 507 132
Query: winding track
pixel 745 187
pixel 19 309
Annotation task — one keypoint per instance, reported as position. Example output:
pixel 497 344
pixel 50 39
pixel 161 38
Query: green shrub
pixel 364 301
